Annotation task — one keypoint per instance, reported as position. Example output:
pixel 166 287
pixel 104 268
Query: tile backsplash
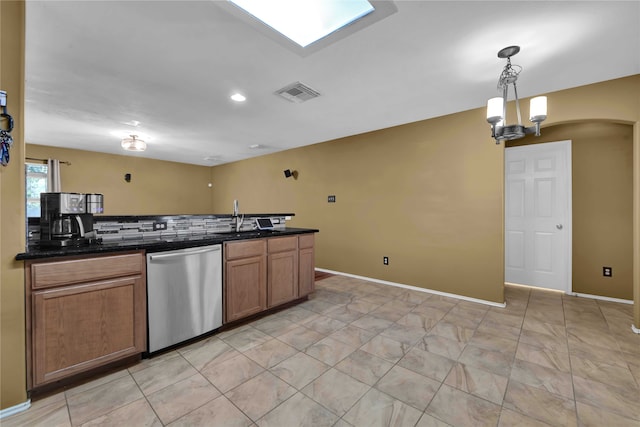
pixel 115 228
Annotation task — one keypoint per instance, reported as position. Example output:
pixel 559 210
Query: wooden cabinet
pixel 282 271
pixel 306 263
pixel 83 313
pixel 245 284
pixel 265 273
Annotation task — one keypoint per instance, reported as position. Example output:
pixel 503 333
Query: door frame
pixel 565 145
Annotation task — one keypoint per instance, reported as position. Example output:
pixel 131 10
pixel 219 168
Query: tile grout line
pixel 573 386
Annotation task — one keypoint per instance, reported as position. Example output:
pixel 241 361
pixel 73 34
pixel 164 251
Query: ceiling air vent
pixel 297 92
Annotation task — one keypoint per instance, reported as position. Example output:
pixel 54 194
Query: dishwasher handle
pixel 183 253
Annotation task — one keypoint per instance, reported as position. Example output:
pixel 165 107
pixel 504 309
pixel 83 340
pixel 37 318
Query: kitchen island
pixel 86 306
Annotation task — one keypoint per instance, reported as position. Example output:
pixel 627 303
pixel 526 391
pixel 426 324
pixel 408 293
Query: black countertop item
pixel 158 245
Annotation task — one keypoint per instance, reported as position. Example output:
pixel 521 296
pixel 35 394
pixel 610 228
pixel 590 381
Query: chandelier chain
pixel 509 74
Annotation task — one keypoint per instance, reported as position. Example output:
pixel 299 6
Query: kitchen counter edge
pixel 158 245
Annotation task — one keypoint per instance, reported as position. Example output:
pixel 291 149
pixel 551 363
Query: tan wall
pixel 156 187
pixel 12 211
pixel 602 178
pixel 428 195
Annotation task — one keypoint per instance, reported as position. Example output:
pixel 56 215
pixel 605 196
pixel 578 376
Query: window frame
pixel 37 175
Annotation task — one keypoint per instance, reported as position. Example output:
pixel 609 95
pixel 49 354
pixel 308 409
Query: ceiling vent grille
pixel 297 92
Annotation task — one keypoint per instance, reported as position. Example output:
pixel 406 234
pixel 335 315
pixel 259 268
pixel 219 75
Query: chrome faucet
pixel 237 218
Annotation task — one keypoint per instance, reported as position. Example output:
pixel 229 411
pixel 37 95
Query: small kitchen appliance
pixel 65 219
pixel 95 203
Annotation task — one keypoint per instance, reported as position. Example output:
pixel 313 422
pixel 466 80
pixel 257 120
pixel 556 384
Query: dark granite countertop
pixel 158 245
pixel 103 218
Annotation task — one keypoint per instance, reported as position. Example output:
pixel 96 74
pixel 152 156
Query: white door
pixel 538 215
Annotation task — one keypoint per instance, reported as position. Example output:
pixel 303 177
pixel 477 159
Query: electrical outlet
pixel 607 271
pixel 331 199
pixel 385 260
pixel 159 226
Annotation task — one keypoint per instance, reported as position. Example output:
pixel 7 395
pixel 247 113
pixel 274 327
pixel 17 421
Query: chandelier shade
pixel 538 109
pixel 495 109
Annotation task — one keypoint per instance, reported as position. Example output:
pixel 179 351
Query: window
pixel 36 183
pixel 306 22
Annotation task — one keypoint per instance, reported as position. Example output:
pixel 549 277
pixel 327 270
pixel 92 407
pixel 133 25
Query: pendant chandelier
pixel 497 107
pixel 133 143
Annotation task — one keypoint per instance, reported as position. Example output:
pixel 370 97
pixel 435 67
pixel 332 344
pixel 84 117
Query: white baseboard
pixel 635 330
pixel 415 288
pixel 15 409
pixel 601 298
pixel 536 288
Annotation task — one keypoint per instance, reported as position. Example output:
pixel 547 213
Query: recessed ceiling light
pixel 306 22
pixel 238 97
pixel 256 146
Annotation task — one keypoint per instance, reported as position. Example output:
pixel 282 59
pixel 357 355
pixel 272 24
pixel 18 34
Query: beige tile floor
pixel 364 354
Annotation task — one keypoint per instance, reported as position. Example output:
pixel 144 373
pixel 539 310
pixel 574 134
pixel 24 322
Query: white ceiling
pixel 93 66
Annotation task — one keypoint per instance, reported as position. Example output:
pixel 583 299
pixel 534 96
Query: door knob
pixel 559 226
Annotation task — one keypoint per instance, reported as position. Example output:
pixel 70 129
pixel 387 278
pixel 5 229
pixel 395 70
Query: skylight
pixel 306 21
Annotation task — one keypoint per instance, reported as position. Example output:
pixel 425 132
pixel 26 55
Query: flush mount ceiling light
pixel 497 107
pixel 132 143
pixel 306 22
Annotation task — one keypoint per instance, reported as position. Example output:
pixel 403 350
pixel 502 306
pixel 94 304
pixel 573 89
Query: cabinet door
pixel 76 328
pixel 245 287
pixel 282 281
pixel 306 278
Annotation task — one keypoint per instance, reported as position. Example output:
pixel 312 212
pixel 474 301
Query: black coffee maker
pixel 65 219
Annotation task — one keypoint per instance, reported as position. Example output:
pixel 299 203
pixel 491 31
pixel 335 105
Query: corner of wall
pixel 636 224
pixel 12 211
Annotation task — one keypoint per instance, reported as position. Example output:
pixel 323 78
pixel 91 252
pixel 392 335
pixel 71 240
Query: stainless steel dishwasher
pixel 184 294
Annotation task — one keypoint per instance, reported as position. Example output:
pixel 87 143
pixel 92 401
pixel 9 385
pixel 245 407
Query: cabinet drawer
pixel 306 240
pixel 70 271
pixel 282 244
pixel 245 249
